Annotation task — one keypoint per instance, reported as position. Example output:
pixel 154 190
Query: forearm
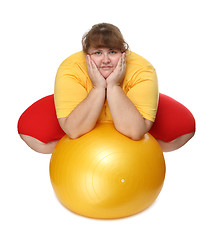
pixel 84 117
pixel 126 117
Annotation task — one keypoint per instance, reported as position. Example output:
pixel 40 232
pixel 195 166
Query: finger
pixel 119 64
pixel 93 64
pixel 124 57
pixel 88 61
pixel 124 61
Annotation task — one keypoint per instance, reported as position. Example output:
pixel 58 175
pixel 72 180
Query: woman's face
pixel 105 59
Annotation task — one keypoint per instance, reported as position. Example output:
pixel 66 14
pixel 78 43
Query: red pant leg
pixel 40 121
pixel 172 120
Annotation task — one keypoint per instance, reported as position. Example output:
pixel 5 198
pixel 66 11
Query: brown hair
pixel 104 35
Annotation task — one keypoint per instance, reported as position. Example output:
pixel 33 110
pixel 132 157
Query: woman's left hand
pixel 117 76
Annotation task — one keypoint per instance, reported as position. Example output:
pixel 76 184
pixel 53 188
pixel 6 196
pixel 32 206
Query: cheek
pixel 96 61
pixel 116 60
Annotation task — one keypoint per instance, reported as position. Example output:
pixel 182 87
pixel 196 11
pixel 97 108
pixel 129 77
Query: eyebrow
pixel 98 49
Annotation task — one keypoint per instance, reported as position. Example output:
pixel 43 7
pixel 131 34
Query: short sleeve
pixel 144 94
pixel 69 91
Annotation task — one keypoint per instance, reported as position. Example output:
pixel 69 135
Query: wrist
pixel 100 84
pixel 99 90
pixel 113 86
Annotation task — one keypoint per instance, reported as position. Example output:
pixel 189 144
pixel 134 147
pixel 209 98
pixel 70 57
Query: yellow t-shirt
pixel 73 84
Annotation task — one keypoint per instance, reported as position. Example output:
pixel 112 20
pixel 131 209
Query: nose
pixel 106 58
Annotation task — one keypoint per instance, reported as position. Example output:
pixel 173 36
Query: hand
pixel 96 78
pixel 117 76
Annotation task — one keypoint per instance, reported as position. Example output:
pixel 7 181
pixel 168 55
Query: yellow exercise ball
pixel 106 175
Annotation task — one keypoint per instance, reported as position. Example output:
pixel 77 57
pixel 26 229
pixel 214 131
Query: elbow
pixel 138 132
pixel 137 136
pixel 134 134
pixel 77 134
pixel 71 132
pixel 73 135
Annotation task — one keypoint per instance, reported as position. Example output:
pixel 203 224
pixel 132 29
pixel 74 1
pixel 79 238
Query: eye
pixel 98 53
pixel 113 52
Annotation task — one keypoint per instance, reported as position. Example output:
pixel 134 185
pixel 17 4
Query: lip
pixel 106 67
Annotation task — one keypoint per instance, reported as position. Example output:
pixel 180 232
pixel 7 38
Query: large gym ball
pixel 104 174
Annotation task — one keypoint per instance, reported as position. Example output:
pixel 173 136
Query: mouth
pixel 106 67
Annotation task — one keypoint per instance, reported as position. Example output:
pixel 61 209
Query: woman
pixel 106 83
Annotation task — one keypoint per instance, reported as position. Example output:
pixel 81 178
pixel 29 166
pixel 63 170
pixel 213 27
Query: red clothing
pixel 40 121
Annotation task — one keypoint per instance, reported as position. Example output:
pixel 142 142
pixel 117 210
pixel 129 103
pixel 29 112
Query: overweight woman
pixel 106 82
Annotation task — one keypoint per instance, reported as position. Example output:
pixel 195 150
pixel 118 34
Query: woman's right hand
pixel 96 78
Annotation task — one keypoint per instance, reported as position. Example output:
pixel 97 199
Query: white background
pixel 177 37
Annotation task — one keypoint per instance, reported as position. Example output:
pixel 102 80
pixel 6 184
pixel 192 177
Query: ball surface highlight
pixel 104 174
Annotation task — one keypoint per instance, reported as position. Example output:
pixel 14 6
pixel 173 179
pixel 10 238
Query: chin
pixel 106 74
